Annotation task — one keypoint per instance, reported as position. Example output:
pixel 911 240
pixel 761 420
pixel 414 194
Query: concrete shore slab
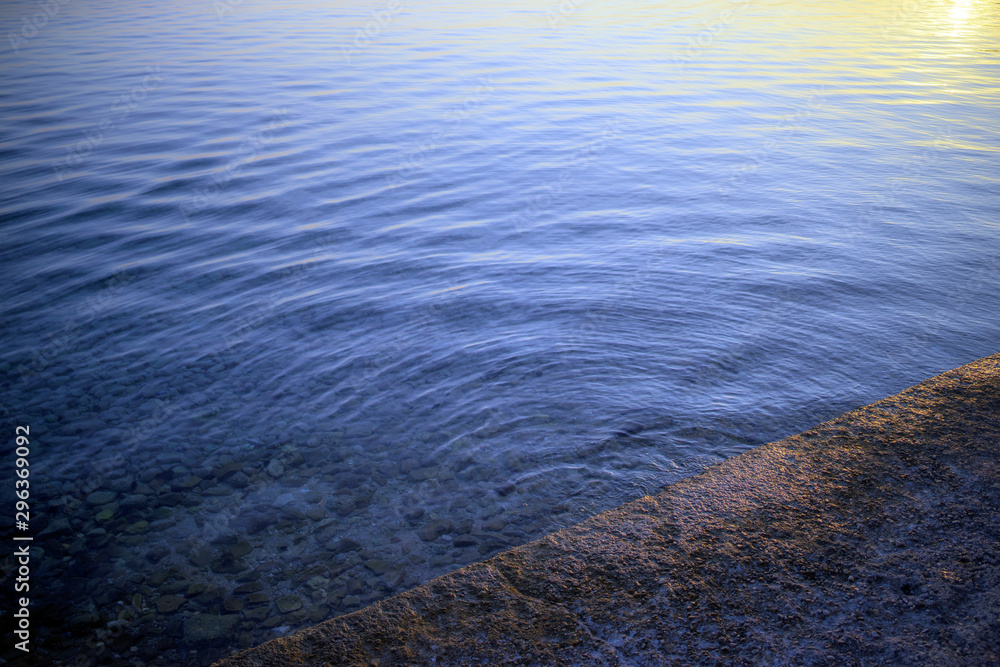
pixel 870 539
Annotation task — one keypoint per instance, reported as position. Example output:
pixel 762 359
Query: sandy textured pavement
pixel 871 539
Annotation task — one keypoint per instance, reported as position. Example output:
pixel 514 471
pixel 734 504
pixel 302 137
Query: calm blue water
pixel 301 316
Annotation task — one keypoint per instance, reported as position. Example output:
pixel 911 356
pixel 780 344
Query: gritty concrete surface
pixel 871 539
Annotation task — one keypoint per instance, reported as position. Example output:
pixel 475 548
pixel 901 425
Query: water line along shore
pixel 873 538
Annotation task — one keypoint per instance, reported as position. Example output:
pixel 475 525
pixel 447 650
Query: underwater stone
pixel 227 565
pixel 394 577
pixel 208 627
pixel 162 513
pixel 257 522
pixel 289 603
pixel 134 501
pixel 292 512
pixel 434 529
pixel 250 587
pixel 495 524
pixel 101 497
pixel 240 549
pixel 159 577
pixel 138 527
pixel 360 429
pixel 197 588
pixel 315 513
pixel 344 545
pixel 506 489
pixel 169 603
pixel 201 557
pixel 258 614
pixel 468 556
pixel 189 482
pixel 227 469
pixel 422 474
pixel 121 485
pixel 377 566
pixel 239 480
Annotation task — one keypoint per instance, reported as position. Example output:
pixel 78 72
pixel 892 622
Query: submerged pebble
pixel 289 603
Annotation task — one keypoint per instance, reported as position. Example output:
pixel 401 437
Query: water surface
pixel 301 317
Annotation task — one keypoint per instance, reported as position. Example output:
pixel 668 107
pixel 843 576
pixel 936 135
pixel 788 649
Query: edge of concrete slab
pixel 873 538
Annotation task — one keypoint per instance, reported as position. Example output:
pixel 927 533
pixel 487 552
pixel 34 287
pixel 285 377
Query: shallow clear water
pixel 374 307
